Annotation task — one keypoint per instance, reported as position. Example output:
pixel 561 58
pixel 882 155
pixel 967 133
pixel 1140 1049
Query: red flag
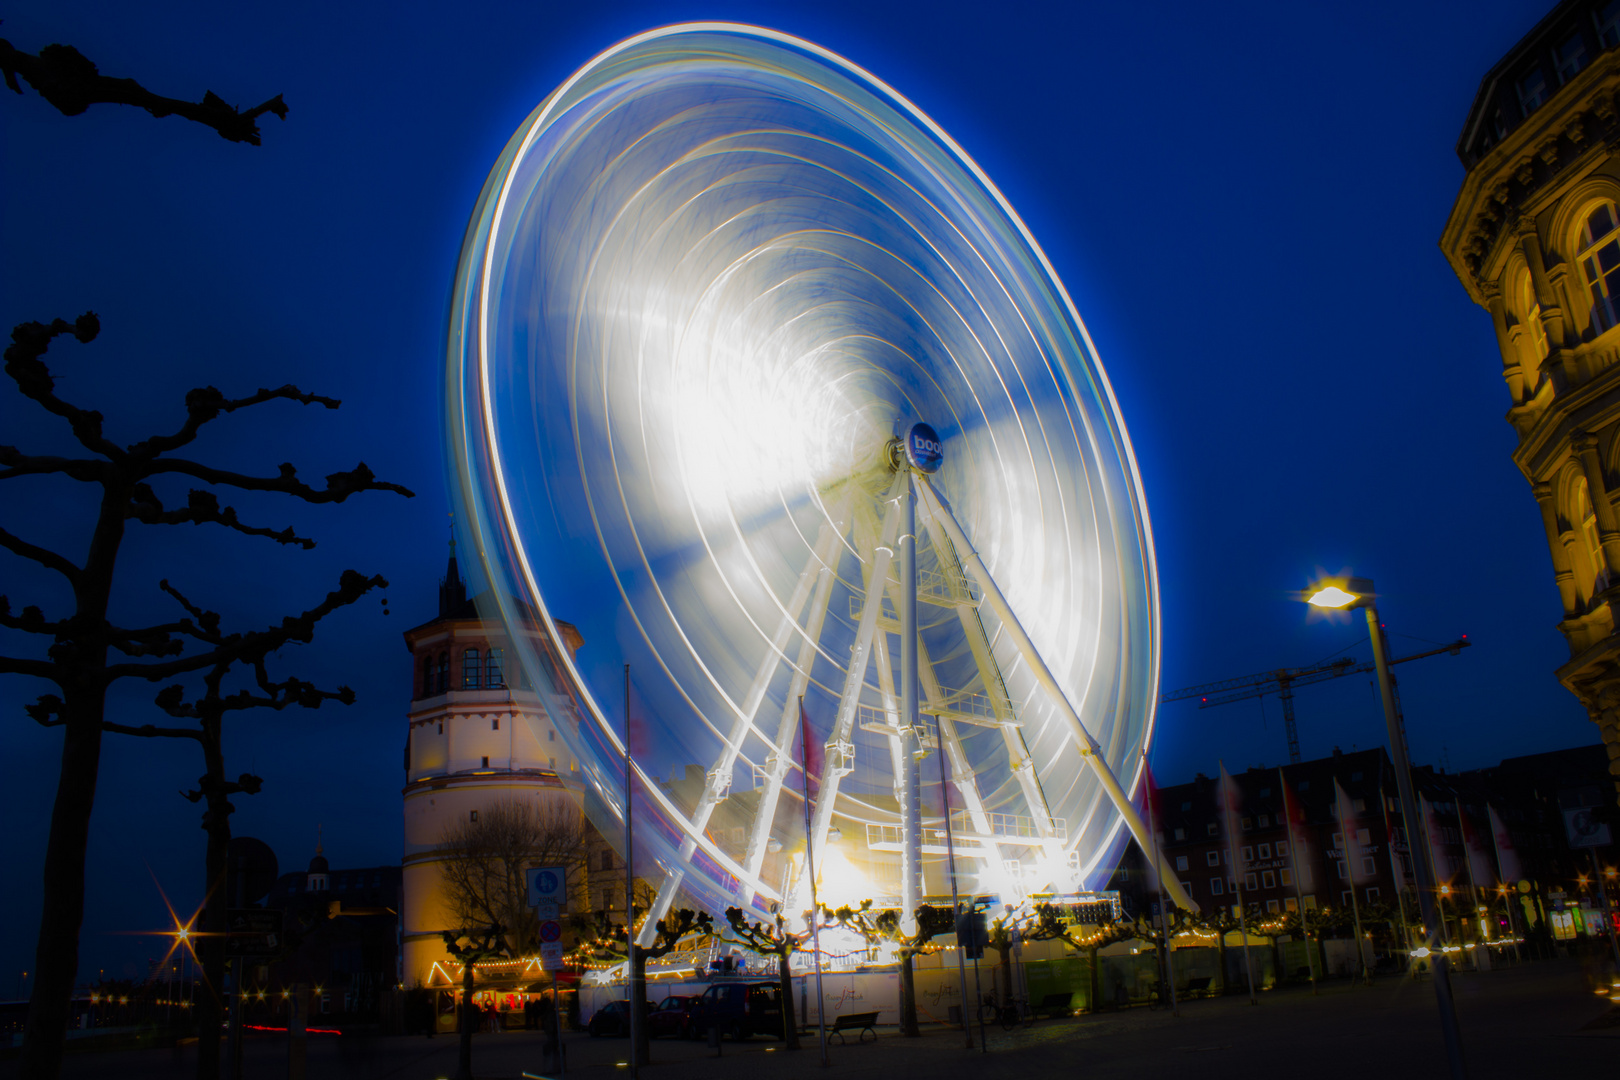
pixel 1507 858
pixel 811 754
pixel 1231 803
pixel 1350 849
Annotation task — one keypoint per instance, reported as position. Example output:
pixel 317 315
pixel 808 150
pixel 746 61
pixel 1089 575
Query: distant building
pixel 1534 236
pixel 343 926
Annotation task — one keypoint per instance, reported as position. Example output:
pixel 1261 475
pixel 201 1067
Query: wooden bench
pixel 861 1022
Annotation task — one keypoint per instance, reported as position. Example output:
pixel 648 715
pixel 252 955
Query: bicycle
pixel 1015 1013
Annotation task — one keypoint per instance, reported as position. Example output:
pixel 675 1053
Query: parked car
pixel 612 1018
pixel 740 1009
pixel 670 1018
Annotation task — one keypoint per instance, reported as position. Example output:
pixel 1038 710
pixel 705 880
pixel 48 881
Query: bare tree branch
pixel 50 559
pixel 206 403
pixel 42 669
pixel 485 859
pixel 339 486
pixel 201 507
pixel 64 77
pixel 147 731
pixel 30 621
pixel 20 464
pixel 29 341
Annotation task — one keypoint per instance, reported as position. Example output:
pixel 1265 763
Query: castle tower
pixel 1534 237
pixel 474 739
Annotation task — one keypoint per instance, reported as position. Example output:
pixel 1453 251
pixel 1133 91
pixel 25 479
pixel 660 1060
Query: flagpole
pixel 634 992
pixel 815 905
pixel 1468 861
pixel 1293 869
pixel 1232 849
pixel 1339 797
pixel 1158 875
pixel 956 904
pixel 1510 896
pixel 1396 870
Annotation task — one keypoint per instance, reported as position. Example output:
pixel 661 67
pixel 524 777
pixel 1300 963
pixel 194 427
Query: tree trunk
pixel 469 1022
pixel 638 1002
pixel 1003 975
pixel 56 956
pixel 908 996
pixel 790 1026
pixel 217 891
pixel 1095 977
pixel 1222 940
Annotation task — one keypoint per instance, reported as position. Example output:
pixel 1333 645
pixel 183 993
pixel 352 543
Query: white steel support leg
pixel 911 890
pixel 718 781
pixel 832 770
pixel 1019 760
pixel 780 760
pixel 1090 752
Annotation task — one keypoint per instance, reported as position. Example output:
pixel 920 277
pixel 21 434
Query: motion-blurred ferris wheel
pixel 757 379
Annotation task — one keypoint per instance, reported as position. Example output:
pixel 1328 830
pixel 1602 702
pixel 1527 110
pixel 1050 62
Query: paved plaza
pixel 1517 1022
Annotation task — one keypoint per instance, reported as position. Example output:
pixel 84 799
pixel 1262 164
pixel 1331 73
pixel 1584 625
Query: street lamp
pixel 1346 593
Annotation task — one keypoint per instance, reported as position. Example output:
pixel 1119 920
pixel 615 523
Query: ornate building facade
pixel 1534 236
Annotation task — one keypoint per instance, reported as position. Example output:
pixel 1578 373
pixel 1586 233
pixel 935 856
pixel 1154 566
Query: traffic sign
pixel 547 885
pixel 252 932
pixel 551 957
pixel 547 911
pixel 550 931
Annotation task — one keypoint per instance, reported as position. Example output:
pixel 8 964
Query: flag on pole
pixel 1231 804
pixel 1351 849
pixel 1298 848
pixel 1507 857
pixel 811 754
pixel 1435 839
pixel 1479 860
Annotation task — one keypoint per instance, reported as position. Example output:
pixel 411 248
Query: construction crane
pixel 1282 682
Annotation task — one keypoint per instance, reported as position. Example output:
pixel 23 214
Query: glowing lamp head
pixel 1331 596
pixel 1336 594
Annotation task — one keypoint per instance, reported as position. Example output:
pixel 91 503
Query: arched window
pixel 1530 312
pixel 1590 543
pixel 1600 263
pixel 427 676
pixel 443 681
pixel 469 670
pixel 495 679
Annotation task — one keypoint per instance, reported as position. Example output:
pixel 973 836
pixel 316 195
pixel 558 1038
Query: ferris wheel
pixel 757 379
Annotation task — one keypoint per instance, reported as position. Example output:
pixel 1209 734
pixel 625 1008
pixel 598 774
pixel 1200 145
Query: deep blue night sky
pixel 1244 203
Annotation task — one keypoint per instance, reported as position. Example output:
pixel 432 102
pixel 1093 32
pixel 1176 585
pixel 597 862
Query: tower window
pixel 475 815
pixel 469 670
pixel 551 735
pixel 1586 515
pixel 1529 309
pixel 1532 91
pixel 495 723
pixel 1607 19
pixel 495 678
pixel 1570 57
pixel 1600 263
pixel 444 672
pixel 427 676
pixel 485 764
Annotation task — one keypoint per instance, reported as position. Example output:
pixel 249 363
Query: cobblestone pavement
pixel 1517 1022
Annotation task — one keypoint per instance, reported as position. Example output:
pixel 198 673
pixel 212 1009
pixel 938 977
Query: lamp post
pixel 1358 593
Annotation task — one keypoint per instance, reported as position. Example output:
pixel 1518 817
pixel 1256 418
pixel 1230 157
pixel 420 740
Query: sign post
pixel 548 895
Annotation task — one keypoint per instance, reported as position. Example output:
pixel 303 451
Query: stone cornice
pixel 1590 406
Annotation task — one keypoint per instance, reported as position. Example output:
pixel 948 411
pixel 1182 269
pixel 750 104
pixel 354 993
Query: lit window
pixel 1310 903
pixel 495 677
pixel 1607 20
pixel 1215 886
pixel 1286 876
pixel 1569 58
pixel 469 670
pixel 1212 858
pixel 1289 903
pixel 1529 312
pixel 1272 907
pixel 1600 264
pixel 1532 91
pixel 1587 516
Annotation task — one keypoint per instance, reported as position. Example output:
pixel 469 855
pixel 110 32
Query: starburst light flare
pixel 708 281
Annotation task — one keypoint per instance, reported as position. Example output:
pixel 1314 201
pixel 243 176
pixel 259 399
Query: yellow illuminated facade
pixel 1534 237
